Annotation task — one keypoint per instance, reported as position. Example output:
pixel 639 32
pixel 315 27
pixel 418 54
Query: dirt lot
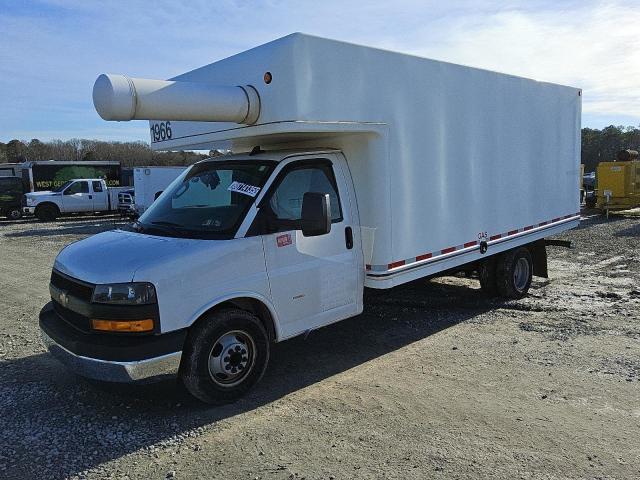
pixel 432 381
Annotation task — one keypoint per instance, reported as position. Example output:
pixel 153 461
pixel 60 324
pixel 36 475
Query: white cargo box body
pixel 442 156
pixel 149 182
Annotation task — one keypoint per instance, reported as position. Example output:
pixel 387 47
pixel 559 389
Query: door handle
pixel 348 237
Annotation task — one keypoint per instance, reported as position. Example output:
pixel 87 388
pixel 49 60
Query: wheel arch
pixel 48 204
pixel 250 302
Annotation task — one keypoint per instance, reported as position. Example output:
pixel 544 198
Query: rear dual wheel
pixel 508 274
pixel 226 353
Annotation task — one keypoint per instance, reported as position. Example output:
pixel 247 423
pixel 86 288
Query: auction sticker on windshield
pixel 244 188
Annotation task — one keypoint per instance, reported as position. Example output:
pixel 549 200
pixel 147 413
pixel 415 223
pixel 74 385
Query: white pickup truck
pixel 78 195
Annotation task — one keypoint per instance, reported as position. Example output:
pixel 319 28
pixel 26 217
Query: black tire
pixel 14 213
pixel 209 335
pixel 514 272
pixel 47 212
pixel 487 276
pixel 590 202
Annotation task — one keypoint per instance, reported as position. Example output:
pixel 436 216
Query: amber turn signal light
pixel 122 325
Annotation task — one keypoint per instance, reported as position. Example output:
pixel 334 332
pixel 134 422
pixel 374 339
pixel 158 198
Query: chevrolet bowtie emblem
pixel 64 298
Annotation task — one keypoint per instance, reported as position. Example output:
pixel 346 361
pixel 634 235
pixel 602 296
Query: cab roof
pixel 271 155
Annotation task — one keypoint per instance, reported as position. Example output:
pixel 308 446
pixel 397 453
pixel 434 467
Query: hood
pixel 44 193
pixel 114 256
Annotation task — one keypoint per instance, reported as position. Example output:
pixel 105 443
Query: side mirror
pixel 316 214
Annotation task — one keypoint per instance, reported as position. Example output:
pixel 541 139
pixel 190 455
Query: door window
pixel 97 186
pixel 286 201
pixel 283 209
pixel 77 187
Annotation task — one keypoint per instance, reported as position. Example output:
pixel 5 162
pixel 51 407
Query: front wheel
pixel 514 273
pixel 47 213
pixel 226 353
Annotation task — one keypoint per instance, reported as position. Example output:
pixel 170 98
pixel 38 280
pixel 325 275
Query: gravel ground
pixel 431 381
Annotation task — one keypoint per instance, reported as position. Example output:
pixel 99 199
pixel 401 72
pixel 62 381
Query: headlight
pixel 30 201
pixel 125 294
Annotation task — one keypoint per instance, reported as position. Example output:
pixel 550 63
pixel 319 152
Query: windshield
pixel 209 200
pixel 62 187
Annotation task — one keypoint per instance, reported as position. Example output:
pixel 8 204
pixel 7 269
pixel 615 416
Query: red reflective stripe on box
pixel 435 255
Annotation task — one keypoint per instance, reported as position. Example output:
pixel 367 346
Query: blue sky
pixel 51 51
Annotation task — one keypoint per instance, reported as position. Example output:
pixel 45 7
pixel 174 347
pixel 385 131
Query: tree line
pixel 597 146
pixel 602 145
pixel 129 154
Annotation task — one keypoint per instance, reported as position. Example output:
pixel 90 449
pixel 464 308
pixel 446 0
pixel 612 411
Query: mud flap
pixel 538 250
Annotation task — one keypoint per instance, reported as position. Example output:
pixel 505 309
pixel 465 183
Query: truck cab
pixel 266 242
pixel 74 196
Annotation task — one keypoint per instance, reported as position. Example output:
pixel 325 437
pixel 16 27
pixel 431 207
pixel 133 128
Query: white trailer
pixel 353 167
pixel 150 182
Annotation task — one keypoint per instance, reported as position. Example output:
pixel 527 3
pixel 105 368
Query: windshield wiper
pixel 175 227
pixel 167 224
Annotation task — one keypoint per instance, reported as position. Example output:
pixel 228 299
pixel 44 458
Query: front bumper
pixel 28 210
pixel 152 369
pixel 111 358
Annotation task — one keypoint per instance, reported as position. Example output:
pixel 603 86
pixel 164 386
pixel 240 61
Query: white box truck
pixel 352 167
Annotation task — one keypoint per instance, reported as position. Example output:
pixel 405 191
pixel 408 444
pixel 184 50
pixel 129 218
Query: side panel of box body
pixel 495 154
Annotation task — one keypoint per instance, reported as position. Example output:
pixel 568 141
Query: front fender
pixel 238 295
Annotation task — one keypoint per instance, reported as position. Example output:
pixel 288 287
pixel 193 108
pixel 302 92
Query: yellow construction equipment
pixel 618 182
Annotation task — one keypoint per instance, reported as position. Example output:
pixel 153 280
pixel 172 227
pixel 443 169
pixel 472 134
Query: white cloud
pixel 596 49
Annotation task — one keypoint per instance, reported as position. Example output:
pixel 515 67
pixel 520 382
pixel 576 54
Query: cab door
pixel 100 196
pixel 314 281
pixel 77 197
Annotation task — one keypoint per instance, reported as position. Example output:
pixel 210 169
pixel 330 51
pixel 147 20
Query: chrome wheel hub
pixel 521 274
pixel 231 358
